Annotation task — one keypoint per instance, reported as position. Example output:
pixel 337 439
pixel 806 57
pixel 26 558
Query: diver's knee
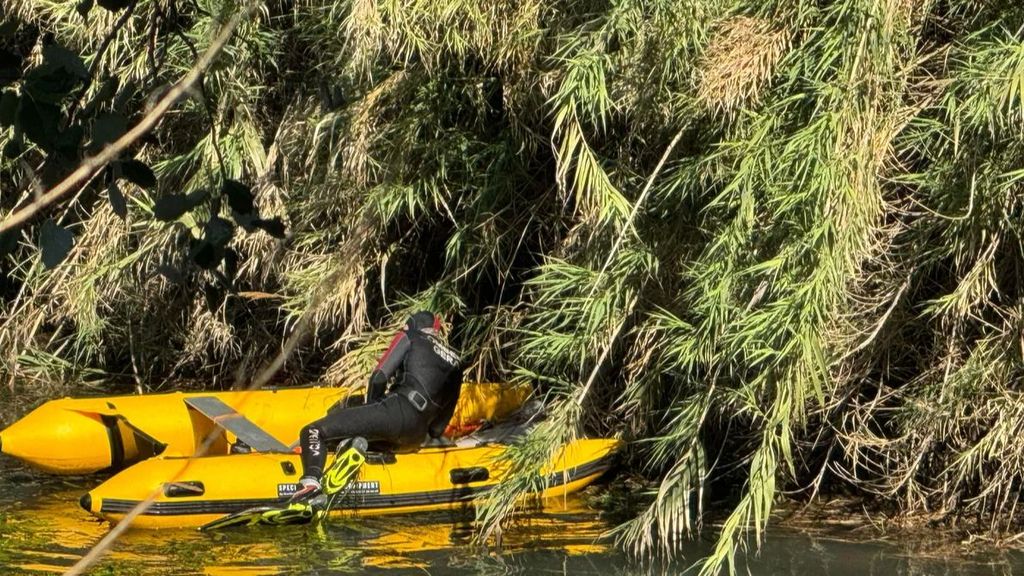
pixel 312 432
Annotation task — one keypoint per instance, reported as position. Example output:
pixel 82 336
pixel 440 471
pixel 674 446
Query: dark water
pixel 42 530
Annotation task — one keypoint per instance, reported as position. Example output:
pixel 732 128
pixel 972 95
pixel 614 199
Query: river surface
pixel 42 530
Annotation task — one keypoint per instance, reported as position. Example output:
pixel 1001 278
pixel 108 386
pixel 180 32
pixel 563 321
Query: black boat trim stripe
pixel 353 501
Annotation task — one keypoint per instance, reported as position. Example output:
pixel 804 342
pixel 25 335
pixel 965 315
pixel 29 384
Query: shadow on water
pixel 42 530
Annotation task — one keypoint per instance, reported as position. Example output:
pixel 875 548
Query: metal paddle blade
pixel 296 513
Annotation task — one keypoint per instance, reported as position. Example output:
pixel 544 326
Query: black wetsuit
pixel 419 403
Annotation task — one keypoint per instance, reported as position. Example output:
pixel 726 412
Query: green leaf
pixel 50 83
pixel 8 29
pixel 8 107
pixel 69 142
pixel 125 97
pixel 240 197
pixel 272 226
pixel 61 72
pixel 173 206
pixel 55 243
pixel 230 263
pixel 56 168
pixel 172 274
pixel 218 231
pixel 60 56
pixel 107 91
pixel 10 67
pixel 8 242
pixel 39 121
pixel 12 149
pixel 115 5
pixel 138 173
pixel 84 7
pixel 118 203
pixel 206 255
pixel 107 128
pixel 245 221
pixel 214 296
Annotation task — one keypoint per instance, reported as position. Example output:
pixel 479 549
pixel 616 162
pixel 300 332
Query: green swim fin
pixel 338 476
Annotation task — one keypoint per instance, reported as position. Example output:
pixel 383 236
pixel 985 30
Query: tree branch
pixel 632 214
pixel 92 164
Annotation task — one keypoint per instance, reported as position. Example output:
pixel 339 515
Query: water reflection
pixel 42 530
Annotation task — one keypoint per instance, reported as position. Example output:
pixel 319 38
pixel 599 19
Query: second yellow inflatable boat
pixel 191 492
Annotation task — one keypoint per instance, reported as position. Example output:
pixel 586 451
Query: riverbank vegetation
pixel 776 245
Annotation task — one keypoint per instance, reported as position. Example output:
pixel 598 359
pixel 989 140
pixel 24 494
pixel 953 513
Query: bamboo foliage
pixel 823 287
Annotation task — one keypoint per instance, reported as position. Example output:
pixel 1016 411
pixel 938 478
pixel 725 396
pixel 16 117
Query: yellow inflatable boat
pixel 191 492
pixel 86 435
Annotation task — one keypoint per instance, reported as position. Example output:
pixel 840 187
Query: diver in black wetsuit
pixel 419 403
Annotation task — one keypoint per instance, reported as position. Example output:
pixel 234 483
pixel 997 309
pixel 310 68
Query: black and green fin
pixel 338 476
pixel 296 513
pixel 337 479
pixel 350 457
